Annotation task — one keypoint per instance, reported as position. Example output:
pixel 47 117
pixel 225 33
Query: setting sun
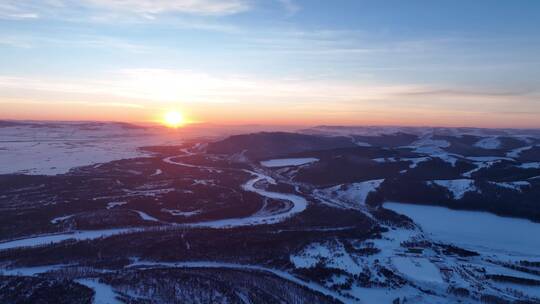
pixel 173 119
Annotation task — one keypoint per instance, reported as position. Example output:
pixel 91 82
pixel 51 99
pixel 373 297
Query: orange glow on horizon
pixel 261 114
pixel 173 119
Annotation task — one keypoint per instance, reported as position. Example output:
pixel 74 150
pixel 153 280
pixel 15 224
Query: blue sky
pixel 350 62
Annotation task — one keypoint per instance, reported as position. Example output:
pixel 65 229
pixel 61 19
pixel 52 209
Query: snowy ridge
pixel 480 166
pixel 517 152
pixel 413 160
pixel 533 165
pixel 146 216
pixel 61 219
pixel 115 204
pixel 489 158
pixel 516 186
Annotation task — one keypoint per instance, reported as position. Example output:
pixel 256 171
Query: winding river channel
pixel 299 204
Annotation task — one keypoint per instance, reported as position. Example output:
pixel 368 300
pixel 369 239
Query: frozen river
pixel 479 231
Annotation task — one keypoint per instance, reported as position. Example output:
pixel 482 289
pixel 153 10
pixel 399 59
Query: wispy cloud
pixel 469 92
pixel 103 9
pixel 167 85
pixel 243 97
pixel 16 10
pixel 290 6
pixel 28 41
pixel 153 7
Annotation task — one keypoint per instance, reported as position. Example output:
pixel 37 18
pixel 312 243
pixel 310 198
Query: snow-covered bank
pixel 299 205
pixel 104 294
pixel 282 274
pixel 145 216
pixel 57 238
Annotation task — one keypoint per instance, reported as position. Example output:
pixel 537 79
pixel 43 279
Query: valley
pixel 326 215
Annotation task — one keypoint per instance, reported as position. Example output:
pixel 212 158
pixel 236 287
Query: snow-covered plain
pixel 420 269
pixel 55 148
pixel 286 162
pixel 479 231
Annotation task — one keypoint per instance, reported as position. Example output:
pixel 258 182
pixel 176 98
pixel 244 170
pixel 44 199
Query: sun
pixel 173 119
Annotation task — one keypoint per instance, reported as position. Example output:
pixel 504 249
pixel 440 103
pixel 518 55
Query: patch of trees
pixel 37 290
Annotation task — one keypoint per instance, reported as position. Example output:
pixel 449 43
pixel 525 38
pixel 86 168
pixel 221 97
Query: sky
pixel 290 62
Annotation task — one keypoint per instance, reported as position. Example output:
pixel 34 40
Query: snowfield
pixel 287 162
pixel 458 187
pixel 334 253
pixel 413 160
pixel 428 145
pixel 420 269
pixel 348 195
pixel 489 143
